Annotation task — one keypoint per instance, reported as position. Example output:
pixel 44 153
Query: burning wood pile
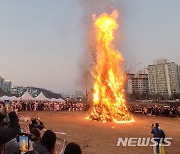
pixel 108 97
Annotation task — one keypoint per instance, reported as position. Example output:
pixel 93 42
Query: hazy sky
pixel 42 41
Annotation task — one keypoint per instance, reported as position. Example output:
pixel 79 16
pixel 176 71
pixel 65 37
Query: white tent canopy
pixel 26 96
pixel 4 98
pixel 61 100
pixel 57 100
pixel 53 99
pixel 12 98
pixel 41 97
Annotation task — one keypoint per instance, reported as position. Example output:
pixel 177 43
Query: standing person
pixel 11 131
pixel 159 136
pixel 57 106
pixel 35 106
pixel 49 106
pixel 26 106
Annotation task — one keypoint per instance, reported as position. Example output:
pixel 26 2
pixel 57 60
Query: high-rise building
pixel 164 77
pixel 7 86
pixel 1 82
pixel 137 83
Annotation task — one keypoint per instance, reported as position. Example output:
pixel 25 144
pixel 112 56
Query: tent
pixel 57 100
pixel 5 98
pixel 12 98
pixel 41 97
pixel 61 100
pixel 26 97
pixel 53 99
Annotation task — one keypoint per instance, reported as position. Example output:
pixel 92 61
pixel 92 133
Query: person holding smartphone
pixel 36 123
pixel 12 129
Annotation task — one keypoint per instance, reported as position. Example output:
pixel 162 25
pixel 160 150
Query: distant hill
pixel 34 91
pixel 47 93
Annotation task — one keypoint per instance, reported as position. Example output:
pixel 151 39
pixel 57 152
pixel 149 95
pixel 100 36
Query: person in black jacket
pixel 159 136
pixel 11 130
pixel 36 123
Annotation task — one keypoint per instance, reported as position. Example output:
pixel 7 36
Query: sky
pixel 42 41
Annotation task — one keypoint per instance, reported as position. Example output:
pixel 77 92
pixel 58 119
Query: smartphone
pixel 22 130
pixel 23 142
pixel 7 105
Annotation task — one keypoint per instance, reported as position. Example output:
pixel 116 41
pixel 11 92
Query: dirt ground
pixel 101 138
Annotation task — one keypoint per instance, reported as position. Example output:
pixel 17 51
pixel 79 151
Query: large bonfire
pixel 108 97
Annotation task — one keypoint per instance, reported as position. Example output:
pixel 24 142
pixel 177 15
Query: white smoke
pixel 90 8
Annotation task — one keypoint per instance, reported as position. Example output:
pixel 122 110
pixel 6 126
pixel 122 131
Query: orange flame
pixel 108 97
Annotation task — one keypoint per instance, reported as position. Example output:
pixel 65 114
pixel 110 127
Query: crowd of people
pixel 13 141
pixel 47 106
pixel 156 110
pixel 11 130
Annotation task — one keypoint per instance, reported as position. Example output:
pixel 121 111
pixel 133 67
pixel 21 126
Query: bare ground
pixel 101 138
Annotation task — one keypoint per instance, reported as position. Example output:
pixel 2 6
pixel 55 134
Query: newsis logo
pixel 143 142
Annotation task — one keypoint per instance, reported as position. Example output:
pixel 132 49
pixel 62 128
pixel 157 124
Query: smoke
pixel 91 8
